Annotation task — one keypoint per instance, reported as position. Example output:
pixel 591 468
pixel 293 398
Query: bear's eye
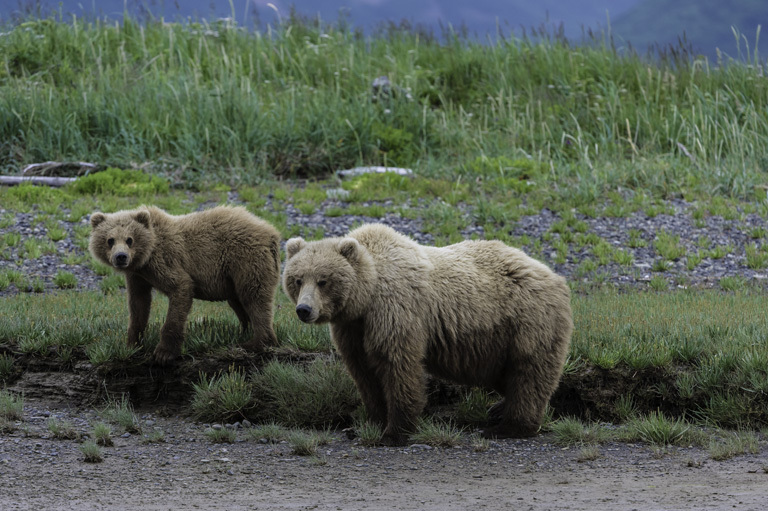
pixel 298 282
pixel 129 242
pixel 322 283
pixel 111 241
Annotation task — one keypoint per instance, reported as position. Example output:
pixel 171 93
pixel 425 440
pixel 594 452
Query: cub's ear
pixel 97 218
pixel 293 246
pixel 350 249
pixel 142 217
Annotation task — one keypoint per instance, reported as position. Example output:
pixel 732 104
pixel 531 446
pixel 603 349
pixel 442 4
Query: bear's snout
pixel 304 312
pixel 120 260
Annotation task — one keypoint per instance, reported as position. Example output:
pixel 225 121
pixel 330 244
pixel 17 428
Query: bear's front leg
pixel 403 380
pixel 172 333
pixel 139 304
pixel 349 341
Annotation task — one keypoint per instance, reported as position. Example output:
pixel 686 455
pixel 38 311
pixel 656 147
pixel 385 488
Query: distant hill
pixel 643 23
pixel 479 17
pixel 706 24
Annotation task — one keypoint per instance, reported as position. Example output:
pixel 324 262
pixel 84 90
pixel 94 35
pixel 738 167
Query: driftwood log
pixel 52 173
pixel 37 180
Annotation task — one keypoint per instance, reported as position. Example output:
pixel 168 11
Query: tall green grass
pixel 242 105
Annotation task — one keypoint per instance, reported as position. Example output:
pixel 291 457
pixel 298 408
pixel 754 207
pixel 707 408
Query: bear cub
pixel 477 313
pixel 224 253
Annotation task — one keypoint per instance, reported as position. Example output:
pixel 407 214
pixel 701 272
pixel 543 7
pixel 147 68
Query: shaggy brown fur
pixel 477 313
pixel 220 254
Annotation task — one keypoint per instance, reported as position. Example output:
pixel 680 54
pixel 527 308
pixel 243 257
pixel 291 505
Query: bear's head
pixel 325 278
pixel 123 240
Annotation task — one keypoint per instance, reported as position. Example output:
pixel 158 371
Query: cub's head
pixel 321 277
pixel 123 240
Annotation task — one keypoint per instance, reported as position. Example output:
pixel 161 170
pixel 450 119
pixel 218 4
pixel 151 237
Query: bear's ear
pixel 350 249
pixel 293 246
pixel 97 218
pixel 142 217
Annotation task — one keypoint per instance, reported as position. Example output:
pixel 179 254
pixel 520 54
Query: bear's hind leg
pixel 242 314
pixel 258 307
pixel 527 388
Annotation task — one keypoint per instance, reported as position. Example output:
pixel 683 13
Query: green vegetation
pixel 271 432
pixel 436 433
pixel 91 452
pixel 11 406
pixel 62 429
pixel 221 435
pixel 65 280
pixel 6 366
pixel 102 434
pixel 242 106
pixel 121 413
pixel 368 433
pixel 303 443
pixel 225 397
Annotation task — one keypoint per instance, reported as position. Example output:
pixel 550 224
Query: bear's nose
pixel 303 311
pixel 121 259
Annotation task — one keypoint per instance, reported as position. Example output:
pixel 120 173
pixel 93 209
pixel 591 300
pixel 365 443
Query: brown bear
pixel 477 313
pixel 224 253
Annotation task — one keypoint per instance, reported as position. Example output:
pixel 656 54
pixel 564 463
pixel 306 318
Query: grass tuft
pixel 221 435
pixel 91 452
pixel 437 434
pixel 223 397
pixel 102 434
pixel 11 406
pixel 657 429
pixel 121 413
pixel 61 429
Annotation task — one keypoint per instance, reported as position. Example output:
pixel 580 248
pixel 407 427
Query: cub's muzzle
pixel 120 260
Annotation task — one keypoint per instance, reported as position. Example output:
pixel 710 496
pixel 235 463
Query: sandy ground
pixel 187 471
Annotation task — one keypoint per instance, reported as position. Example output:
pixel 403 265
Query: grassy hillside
pixel 708 25
pixel 219 102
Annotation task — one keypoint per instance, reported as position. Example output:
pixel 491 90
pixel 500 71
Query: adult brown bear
pixel 478 313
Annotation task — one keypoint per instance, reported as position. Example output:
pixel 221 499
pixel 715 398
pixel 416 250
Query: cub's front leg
pixel 139 305
pixel 172 332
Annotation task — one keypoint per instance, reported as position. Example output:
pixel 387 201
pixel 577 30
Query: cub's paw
pixel 164 356
pixel 254 346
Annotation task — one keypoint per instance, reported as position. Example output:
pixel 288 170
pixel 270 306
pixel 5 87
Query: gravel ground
pixel 734 234
pixel 187 471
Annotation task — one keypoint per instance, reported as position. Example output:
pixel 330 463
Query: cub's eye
pixel 111 241
pixel 322 283
pixel 298 282
pixel 129 242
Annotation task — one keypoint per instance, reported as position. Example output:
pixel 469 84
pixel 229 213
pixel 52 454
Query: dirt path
pixel 187 471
